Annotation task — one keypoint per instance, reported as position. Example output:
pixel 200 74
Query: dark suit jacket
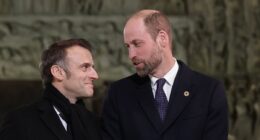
pixel 40 122
pixel 129 111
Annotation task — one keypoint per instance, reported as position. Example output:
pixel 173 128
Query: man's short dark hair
pixel 56 54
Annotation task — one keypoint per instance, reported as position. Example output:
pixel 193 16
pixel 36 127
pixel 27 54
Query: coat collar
pixel 51 119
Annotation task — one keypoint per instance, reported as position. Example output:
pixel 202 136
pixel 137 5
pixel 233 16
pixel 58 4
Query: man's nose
pixel 131 53
pixel 94 74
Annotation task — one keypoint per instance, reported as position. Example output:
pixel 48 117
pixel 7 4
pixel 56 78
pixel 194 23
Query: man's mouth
pixel 138 65
pixel 90 85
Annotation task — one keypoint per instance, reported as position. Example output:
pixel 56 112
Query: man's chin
pixel 141 73
pixel 89 93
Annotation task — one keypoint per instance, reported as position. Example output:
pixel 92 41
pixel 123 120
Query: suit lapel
pixel 50 118
pixel 146 100
pixel 178 99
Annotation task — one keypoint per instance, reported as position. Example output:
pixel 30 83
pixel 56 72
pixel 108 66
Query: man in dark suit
pixel 165 100
pixel 68 73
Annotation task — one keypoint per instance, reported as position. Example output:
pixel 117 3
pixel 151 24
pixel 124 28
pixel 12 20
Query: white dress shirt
pixel 64 123
pixel 169 77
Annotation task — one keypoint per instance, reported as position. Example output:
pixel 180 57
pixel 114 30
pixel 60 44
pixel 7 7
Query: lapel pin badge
pixel 186 93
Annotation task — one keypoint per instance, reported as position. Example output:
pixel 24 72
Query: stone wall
pixel 220 38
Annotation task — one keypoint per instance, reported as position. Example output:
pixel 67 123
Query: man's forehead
pixel 134 25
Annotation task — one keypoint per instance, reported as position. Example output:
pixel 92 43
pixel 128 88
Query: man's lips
pixel 138 65
pixel 136 61
pixel 90 85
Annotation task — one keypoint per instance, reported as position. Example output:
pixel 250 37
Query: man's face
pixel 143 51
pixel 81 73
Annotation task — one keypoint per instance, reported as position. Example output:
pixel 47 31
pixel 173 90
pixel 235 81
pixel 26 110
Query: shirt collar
pixel 169 76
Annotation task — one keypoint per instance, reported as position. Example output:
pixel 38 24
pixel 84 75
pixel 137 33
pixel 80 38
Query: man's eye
pixel 126 45
pixel 137 44
pixel 85 67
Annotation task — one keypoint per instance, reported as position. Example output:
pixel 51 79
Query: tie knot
pixel 160 82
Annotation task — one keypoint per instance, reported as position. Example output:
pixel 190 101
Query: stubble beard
pixel 150 64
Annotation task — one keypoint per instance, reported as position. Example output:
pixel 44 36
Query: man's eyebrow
pixel 86 65
pixel 135 41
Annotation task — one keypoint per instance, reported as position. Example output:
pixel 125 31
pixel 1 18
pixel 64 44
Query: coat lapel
pixel 146 100
pixel 87 124
pixel 181 94
pixel 50 118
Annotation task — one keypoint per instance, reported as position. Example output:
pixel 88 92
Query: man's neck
pixel 164 68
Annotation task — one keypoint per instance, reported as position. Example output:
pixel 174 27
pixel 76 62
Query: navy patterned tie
pixel 160 98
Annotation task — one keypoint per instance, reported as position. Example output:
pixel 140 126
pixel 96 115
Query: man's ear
pixel 58 72
pixel 162 38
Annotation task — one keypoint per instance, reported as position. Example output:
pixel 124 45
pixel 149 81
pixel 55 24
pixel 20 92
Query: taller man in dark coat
pixel 165 100
pixel 68 73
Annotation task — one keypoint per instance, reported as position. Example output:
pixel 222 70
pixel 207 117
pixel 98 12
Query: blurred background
pixel 220 38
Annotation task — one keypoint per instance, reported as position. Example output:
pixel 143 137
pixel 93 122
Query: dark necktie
pixel 160 98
